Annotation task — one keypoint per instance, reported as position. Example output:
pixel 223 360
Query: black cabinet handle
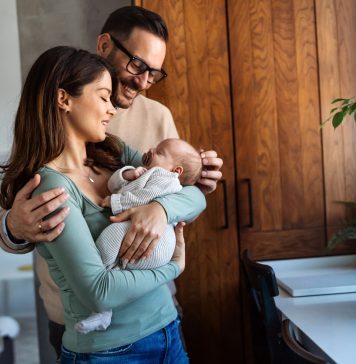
pixel 250 202
pixel 226 211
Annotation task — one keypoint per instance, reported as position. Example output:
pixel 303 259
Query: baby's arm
pixel 119 179
pixel 132 174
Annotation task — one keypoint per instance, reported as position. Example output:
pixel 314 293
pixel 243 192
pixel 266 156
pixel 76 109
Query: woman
pixel 60 129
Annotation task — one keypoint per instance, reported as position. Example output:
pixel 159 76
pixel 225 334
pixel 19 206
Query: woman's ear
pixel 178 169
pixel 63 100
pixel 104 45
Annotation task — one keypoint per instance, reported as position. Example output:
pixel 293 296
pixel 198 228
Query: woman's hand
pixel 148 223
pixel 179 252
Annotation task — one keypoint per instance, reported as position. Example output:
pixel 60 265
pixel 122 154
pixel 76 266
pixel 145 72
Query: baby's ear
pixel 178 169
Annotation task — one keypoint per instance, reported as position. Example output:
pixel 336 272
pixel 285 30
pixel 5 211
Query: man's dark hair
pixel 122 22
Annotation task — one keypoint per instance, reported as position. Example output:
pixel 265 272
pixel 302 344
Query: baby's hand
pixel 132 174
pixel 106 202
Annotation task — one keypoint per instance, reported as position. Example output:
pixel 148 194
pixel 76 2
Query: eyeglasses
pixel 137 66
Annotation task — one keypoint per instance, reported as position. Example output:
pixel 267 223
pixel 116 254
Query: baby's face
pixel 164 155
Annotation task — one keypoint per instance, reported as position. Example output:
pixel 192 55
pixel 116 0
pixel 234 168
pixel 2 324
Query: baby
pixel 172 164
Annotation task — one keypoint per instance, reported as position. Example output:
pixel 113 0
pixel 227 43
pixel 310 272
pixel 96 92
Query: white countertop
pixel 316 276
pixel 329 320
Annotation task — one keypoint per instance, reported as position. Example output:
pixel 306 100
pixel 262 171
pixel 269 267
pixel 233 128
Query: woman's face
pixel 90 113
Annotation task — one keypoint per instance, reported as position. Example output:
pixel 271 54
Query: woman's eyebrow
pixel 106 89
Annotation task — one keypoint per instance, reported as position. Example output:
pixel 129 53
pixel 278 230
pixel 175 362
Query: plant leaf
pixel 337 100
pixel 338 118
pixel 352 108
pixel 341 236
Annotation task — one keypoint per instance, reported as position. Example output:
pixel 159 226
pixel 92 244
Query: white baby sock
pixel 98 321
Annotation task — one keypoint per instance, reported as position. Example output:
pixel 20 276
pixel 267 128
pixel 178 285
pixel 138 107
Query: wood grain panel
pixel 330 89
pixel 289 135
pixel 276 116
pixel 337 60
pixel 245 121
pixel 284 243
pixel 208 290
pixel 173 91
pixel 309 113
pixel 221 137
pixel 197 55
pixel 346 32
pixel 267 184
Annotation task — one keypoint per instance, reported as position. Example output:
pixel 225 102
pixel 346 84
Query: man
pixel 134 40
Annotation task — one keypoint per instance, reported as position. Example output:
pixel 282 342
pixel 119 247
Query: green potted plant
pixel 343 108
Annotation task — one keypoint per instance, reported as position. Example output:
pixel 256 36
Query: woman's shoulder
pixel 51 178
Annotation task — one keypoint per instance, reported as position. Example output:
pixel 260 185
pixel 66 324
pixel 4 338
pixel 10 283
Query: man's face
pixel 148 47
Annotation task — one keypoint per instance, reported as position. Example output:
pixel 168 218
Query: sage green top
pixel 140 299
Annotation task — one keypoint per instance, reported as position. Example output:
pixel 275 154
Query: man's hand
pixel 24 220
pixel 211 171
pixel 148 223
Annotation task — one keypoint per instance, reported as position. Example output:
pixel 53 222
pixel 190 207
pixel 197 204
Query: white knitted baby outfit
pixel 126 194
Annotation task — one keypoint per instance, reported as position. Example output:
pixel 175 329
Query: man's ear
pixel 104 45
pixel 178 169
pixel 63 100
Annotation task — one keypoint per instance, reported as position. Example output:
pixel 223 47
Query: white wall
pixel 19 296
pixel 10 74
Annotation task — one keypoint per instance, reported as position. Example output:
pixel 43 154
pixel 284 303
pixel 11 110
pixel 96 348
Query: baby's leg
pixel 109 243
pixel 162 253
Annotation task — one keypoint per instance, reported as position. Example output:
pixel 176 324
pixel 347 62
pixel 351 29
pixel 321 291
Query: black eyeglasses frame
pixel 132 58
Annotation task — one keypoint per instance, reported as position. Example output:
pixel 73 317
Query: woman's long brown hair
pixel 39 134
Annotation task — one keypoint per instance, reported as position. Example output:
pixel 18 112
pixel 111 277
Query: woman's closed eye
pixel 105 99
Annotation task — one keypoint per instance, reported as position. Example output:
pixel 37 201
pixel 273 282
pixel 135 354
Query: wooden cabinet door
pixel 197 92
pixel 336 37
pixel 276 118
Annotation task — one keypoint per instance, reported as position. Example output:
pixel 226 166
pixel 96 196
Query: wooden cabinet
pixel 253 79
pixel 336 37
pixel 276 117
pixel 197 91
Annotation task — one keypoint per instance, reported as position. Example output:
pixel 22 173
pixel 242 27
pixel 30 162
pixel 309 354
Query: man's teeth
pixel 129 88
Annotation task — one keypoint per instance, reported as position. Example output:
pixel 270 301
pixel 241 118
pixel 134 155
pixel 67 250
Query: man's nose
pixel 142 80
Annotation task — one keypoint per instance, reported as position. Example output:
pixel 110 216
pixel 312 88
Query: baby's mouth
pixel 146 158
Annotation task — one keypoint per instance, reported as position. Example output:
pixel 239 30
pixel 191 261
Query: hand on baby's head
pixel 132 174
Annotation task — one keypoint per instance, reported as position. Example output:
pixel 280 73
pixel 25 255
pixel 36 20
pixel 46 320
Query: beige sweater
pixel 142 126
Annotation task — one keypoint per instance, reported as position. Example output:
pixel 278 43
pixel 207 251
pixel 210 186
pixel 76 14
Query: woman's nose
pixel 112 110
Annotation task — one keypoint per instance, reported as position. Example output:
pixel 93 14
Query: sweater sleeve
pixel 74 257
pixel 6 243
pixel 184 205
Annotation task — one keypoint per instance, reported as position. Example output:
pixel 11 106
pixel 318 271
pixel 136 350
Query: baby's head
pixel 178 156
